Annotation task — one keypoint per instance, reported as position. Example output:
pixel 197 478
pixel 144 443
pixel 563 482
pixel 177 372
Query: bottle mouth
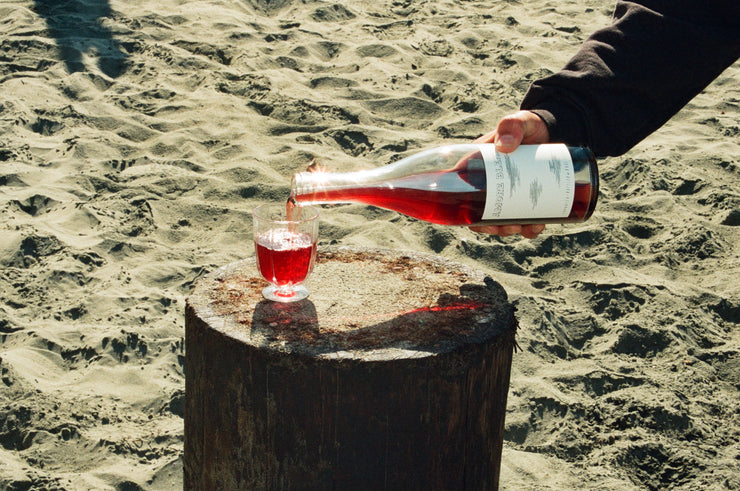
pixel 301 186
pixel 299 183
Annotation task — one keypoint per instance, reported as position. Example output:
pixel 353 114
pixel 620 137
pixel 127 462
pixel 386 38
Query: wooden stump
pixel 393 374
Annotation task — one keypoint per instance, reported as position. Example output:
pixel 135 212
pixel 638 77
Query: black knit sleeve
pixel 631 77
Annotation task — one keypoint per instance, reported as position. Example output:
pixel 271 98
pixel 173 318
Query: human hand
pixel 522 127
pixel 527 231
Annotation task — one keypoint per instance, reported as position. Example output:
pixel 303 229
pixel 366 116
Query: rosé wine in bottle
pixel 469 184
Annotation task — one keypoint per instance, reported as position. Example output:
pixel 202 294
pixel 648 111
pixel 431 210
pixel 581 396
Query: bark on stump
pixel 393 374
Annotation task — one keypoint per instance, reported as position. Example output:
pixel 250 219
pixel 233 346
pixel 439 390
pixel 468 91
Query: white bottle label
pixel 534 181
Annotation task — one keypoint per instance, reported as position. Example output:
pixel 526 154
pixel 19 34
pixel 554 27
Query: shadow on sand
pixel 79 28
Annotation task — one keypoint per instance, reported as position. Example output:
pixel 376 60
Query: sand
pixel 136 137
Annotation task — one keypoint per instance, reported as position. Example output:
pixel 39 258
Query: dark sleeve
pixel 631 77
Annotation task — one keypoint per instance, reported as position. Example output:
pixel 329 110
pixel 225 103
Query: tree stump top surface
pixel 365 304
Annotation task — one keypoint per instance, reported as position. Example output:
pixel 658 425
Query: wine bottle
pixel 469 184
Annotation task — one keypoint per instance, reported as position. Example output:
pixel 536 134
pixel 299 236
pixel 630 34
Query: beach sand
pixel 136 137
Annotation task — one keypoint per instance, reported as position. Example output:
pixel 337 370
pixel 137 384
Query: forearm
pixel 629 78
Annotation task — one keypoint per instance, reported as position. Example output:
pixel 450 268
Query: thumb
pixel 507 136
pixel 510 132
pixel 515 129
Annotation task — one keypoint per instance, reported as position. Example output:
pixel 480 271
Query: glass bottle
pixel 468 184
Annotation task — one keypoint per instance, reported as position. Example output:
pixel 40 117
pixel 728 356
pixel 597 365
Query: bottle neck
pixel 347 187
pixel 323 187
pixel 309 188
